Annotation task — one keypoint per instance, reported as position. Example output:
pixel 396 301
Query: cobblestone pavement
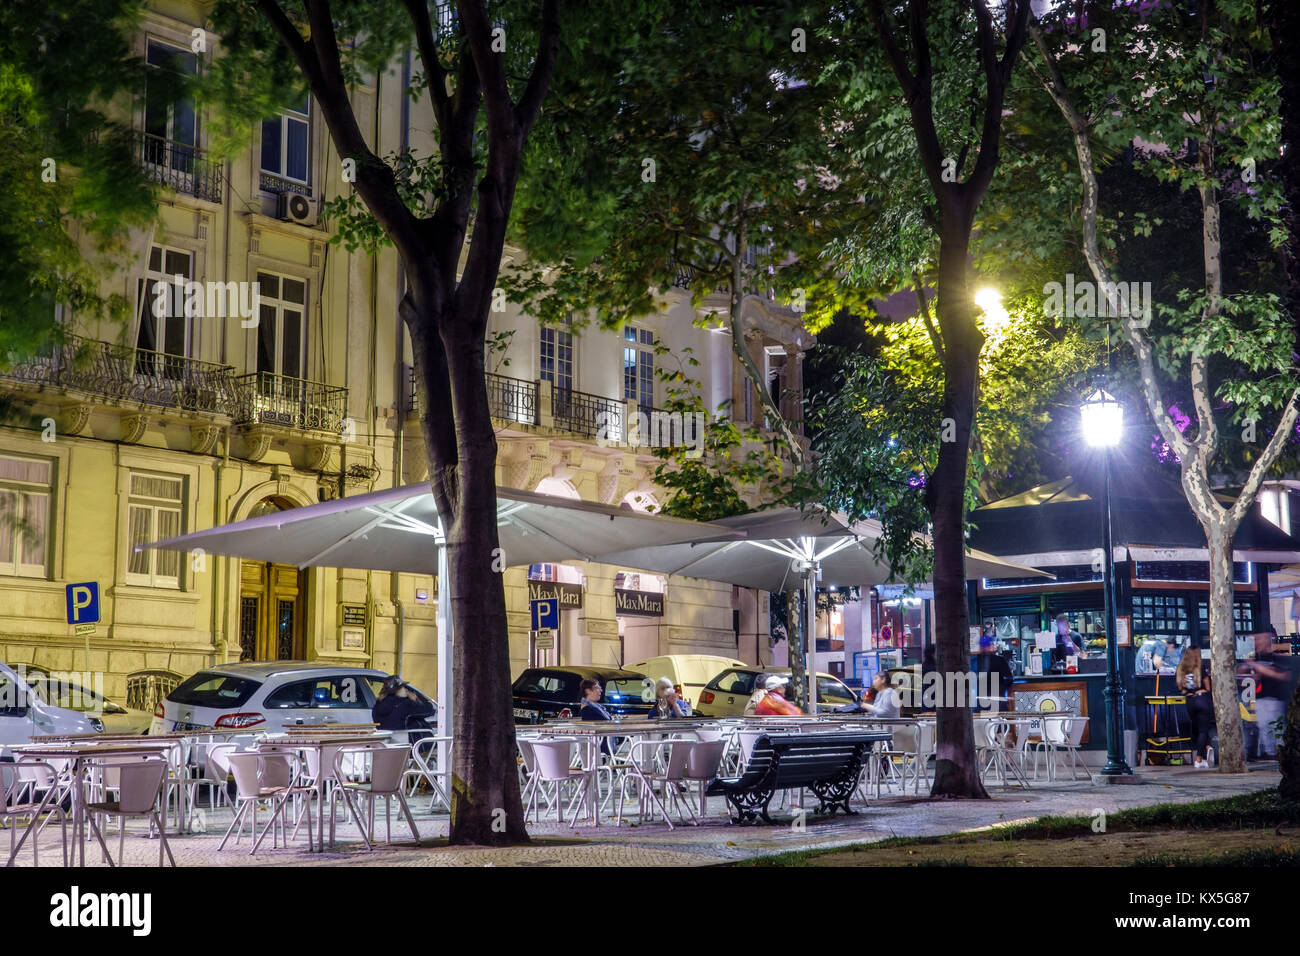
pixel 714 841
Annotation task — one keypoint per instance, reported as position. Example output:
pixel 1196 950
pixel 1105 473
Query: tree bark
pixel 1223 653
pixel 956 772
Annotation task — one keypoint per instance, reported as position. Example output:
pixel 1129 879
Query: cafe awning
pixel 1061 523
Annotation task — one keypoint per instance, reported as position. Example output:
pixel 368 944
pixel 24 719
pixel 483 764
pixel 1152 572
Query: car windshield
pixel 57 693
pixel 733 682
pixel 831 690
pixel 548 685
pixel 206 689
pixel 628 690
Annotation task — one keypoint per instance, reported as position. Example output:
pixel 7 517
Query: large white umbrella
pixel 785 546
pixel 398 529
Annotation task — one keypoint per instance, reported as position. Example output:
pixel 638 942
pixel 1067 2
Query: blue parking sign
pixel 83 603
pixel 546 614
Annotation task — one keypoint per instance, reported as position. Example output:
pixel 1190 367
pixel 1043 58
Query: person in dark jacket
pixel 591 708
pixel 998 670
pixel 397 704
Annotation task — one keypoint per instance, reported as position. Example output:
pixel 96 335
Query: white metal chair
pixel 261 778
pixel 140 784
pixel 1063 736
pixel 387 770
pixel 702 767
pixel 532 782
pixel 662 762
pixel 424 755
pixel 554 765
pixel 992 752
pixel 28 789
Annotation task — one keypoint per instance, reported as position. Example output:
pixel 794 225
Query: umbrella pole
pixel 445 697
pixel 810 635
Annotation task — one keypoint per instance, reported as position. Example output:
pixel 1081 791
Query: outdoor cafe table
pixel 79 754
pixel 303 742
pixel 197 738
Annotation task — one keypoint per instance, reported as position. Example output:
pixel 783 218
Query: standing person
pixel 397 704
pixel 1270 698
pixel 998 671
pixel 774 703
pixel 1068 641
pixel 1194 682
pixel 667 704
pixel 885 702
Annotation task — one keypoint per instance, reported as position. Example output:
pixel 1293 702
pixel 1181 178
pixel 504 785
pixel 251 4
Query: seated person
pixel 591 708
pixel 774 703
pixel 667 704
pixel 760 691
pixel 397 704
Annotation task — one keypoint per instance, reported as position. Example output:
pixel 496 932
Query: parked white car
pixel 268 696
pixel 115 718
pixel 25 715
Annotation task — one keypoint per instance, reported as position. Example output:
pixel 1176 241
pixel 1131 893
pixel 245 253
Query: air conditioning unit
pixel 295 207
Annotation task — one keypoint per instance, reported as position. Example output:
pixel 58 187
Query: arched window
pixel 146 689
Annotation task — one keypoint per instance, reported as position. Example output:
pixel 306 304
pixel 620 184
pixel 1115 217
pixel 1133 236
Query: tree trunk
pixel 1223 651
pixel 461 447
pixel 956 772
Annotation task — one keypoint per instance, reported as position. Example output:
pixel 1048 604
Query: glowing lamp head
pixel 1103 419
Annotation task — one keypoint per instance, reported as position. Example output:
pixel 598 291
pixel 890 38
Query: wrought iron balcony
pixel 179 166
pixel 509 399
pixel 512 399
pixel 587 414
pixel 270 399
pixel 126 374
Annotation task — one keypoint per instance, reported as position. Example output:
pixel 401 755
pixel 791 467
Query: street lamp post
pixel 1103 424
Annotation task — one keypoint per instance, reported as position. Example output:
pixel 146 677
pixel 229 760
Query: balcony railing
pixel 512 399
pixel 179 166
pixel 509 399
pixel 132 375
pixel 269 399
pixel 587 414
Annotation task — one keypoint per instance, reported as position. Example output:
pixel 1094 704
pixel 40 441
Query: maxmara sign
pixel 638 603
pixel 566 595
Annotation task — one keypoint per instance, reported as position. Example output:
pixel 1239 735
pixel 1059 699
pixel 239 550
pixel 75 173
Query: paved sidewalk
pixel 714 841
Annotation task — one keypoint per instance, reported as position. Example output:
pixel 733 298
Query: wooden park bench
pixel 828 764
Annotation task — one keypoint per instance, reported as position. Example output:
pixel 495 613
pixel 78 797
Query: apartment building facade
pixel 193 417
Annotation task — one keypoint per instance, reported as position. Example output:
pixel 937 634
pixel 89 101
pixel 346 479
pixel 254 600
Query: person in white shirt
pixel 886 702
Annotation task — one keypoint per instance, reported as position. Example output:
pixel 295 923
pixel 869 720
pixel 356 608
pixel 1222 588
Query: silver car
pixel 268 696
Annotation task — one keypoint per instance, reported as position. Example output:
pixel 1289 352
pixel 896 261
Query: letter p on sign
pixel 83 603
